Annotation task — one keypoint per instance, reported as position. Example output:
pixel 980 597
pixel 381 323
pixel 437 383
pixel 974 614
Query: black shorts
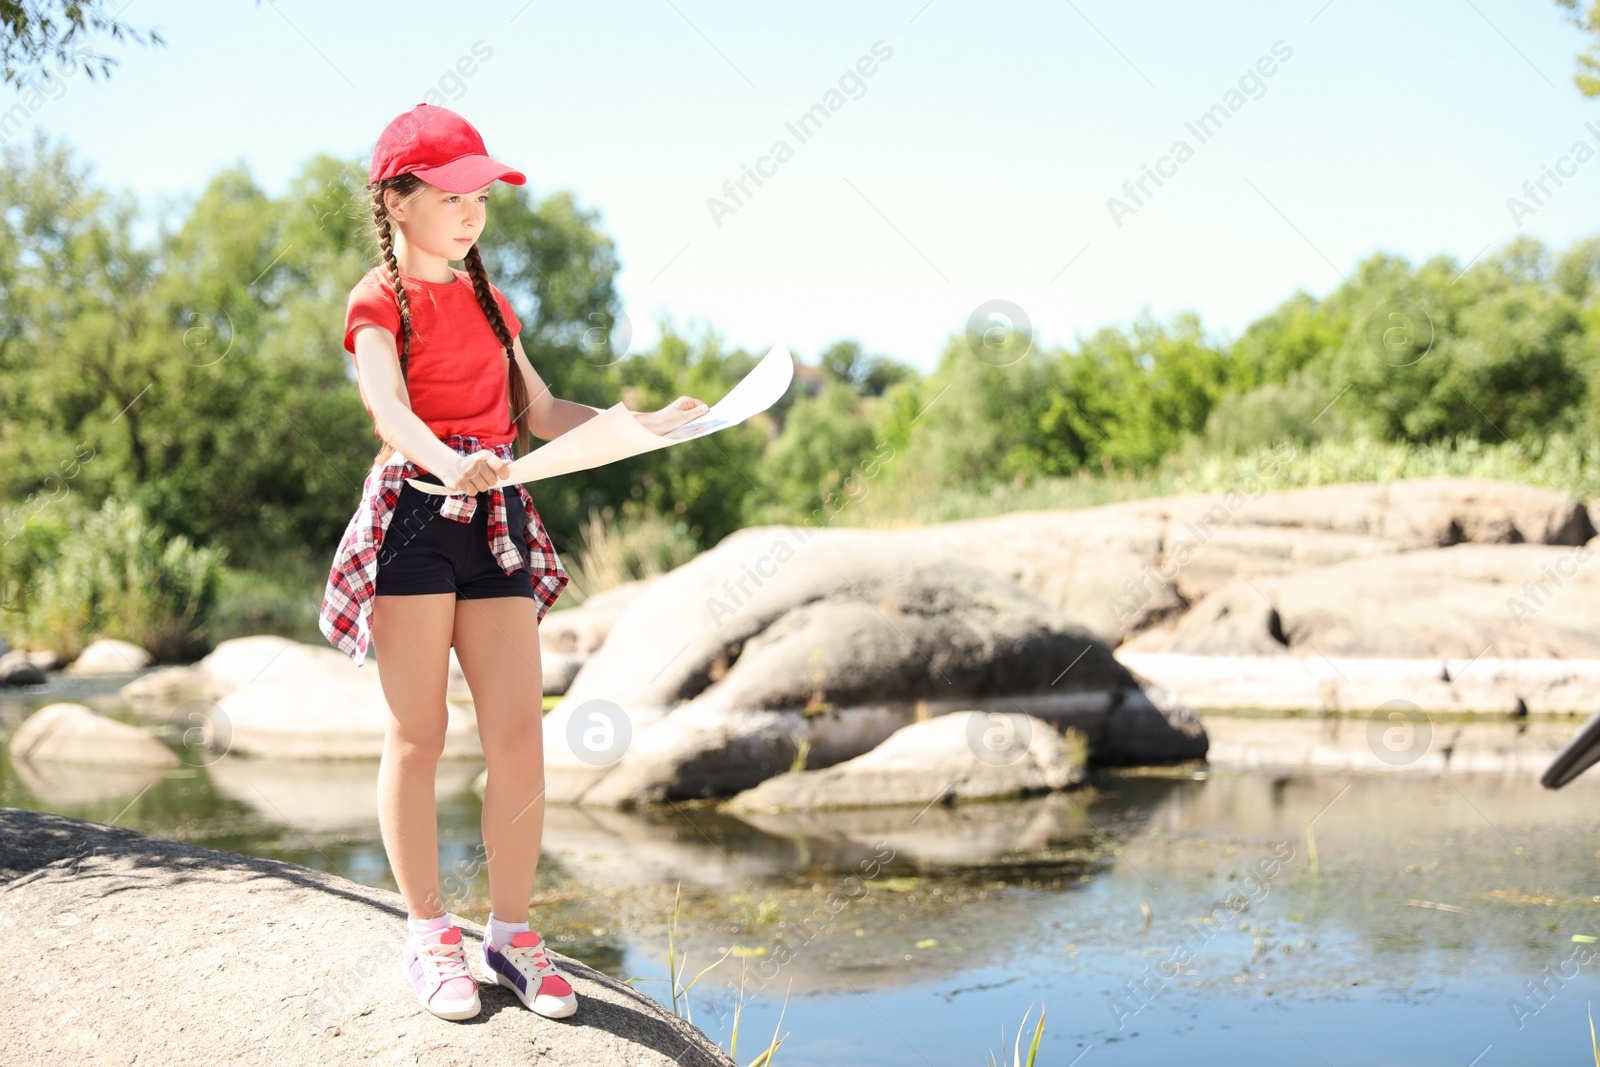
pixel 424 552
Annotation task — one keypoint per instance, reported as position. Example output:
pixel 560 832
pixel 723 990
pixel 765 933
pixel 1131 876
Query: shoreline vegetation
pixel 191 369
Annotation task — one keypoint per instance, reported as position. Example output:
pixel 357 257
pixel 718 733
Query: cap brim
pixel 469 173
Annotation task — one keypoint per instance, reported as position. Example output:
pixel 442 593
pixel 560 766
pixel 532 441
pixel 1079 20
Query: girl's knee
pixel 518 755
pixel 412 744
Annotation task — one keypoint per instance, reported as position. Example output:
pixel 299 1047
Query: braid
pixel 380 219
pixel 497 322
pixel 486 300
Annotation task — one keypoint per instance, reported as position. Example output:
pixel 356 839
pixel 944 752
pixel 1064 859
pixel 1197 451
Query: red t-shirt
pixel 456 374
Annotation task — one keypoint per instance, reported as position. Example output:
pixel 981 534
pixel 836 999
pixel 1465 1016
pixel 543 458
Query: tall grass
pixel 680 992
pixel 1016 1048
pixel 1560 462
pixel 639 543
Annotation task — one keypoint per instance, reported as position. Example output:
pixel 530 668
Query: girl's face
pixel 441 223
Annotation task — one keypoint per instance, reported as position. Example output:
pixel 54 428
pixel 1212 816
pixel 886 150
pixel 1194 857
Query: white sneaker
pixel 524 967
pixel 436 966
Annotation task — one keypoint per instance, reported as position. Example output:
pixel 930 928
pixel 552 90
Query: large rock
pixel 243 661
pixel 1432 512
pixel 1378 743
pixel 1122 568
pixel 306 962
pixel 1501 601
pixel 110 656
pixel 72 733
pixel 239 661
pixel 1148 725
pixel 579 631
pixel 272 696
pixel 233 664
pixel 1087 562
pixel 694 752
pixel 558 669
pixel 47 659
pixel 1449 685
pixel 308 702
pixel 168 686
pixel 18 668
pixel 964 755
pixel 567 638
pixel 715 675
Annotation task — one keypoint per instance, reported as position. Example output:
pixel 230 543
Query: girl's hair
pixel 409 186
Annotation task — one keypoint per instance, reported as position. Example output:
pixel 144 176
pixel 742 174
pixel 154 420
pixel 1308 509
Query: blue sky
pixel 973 164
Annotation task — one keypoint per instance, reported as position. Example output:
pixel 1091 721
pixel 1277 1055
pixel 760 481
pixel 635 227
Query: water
pixel 1403 918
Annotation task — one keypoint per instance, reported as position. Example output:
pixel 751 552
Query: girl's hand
pixel 475 473
pixel 682 410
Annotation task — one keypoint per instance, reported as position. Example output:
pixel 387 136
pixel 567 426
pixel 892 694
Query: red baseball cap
pixel 441 148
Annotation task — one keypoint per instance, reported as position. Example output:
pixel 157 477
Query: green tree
pixel 818 459
pixel 980 422
pixel 1588 77
pixel 1131 396
pixel 205 367
pixel 32 34
pixel 1489 354
pixel 76 301
pixel 848 362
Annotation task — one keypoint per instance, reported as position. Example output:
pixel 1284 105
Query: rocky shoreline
pixel 193 950
pixel 797 660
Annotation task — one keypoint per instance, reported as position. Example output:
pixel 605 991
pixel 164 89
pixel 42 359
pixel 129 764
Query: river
pixel 1211 915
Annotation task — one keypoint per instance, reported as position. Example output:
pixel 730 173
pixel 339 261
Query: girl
pixel 441 370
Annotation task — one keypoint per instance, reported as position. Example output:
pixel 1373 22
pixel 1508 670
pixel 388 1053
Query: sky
pixel 971 154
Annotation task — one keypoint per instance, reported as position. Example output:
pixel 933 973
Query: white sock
pixel 415 926
pixel 500 932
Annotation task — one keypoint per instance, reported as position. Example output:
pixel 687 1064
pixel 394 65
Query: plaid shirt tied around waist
pixel 352 581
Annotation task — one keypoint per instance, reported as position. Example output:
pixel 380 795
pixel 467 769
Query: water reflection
pixel 73 785
pixel 319 796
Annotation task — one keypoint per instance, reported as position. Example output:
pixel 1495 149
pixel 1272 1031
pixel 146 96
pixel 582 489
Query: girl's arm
pixel 378 378
pixel 550 417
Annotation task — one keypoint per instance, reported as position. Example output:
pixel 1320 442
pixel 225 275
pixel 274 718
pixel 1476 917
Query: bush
pixel 34 532
pixel 1563 462
pixel 642 544
pixel 280 594
pixel 113 574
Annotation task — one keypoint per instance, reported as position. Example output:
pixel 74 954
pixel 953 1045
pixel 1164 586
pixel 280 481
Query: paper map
pixel 615 434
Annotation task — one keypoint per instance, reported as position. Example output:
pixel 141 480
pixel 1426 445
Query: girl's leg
pixel 411 636
pixel 497 642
